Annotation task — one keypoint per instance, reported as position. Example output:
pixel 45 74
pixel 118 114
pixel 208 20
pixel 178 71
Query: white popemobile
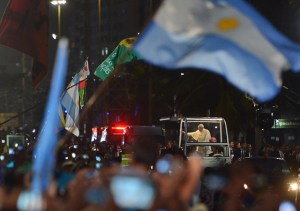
pixel 215 150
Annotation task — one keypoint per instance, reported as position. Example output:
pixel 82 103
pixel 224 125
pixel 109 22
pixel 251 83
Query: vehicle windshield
pixel 216 129
pixel 211 139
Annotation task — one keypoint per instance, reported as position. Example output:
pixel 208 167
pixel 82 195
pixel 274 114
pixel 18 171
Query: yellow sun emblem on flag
pixel 227 24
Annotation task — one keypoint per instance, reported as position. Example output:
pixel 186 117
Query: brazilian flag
pixel 121 54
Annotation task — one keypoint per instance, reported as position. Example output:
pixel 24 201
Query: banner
pixel 24 27
pixel 122 54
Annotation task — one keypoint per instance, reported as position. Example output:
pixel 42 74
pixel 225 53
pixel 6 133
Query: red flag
pixel 24 27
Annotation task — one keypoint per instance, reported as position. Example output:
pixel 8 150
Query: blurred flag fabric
pixel 45 148
pixel 24 27
pixel 61 116
pixel 227 37
pixel 70 101
pixel 84 73
pixel 121 54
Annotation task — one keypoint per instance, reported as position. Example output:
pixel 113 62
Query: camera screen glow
pixel 132 192
pixel 11 151
pixel 98 158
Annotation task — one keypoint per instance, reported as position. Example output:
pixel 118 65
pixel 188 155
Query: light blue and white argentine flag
pixel 227 37
pixel 70 101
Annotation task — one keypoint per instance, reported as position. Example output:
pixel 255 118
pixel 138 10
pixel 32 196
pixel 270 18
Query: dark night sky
pixel 283 14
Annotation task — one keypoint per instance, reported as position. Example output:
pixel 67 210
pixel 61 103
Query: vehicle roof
pixel 191 118
pixel 144 130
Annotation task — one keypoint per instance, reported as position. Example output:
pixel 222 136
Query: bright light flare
pixel 54 36
pixel 58 2
pixel 287 206
pixel 293 187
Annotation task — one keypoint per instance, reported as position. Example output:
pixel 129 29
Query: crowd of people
pixel 90 175
pixel 151 180
pixel 291 154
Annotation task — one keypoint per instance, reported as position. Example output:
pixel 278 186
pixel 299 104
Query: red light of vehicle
pixel 118 130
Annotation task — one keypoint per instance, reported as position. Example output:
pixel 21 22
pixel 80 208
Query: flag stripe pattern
pixel 70 101
pixel 288 48
pixel 84 73
pixel 61 116
pixel 227 37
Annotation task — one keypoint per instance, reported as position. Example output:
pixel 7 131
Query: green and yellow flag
pixel 121 54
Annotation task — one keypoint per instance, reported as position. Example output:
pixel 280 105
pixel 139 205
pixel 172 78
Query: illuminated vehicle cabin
pixel 217 151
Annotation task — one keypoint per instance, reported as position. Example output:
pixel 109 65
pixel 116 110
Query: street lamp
pixel 58 3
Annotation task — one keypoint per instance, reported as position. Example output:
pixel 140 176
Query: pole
pixel 21 113
pixel 99 15
pixel 58 19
